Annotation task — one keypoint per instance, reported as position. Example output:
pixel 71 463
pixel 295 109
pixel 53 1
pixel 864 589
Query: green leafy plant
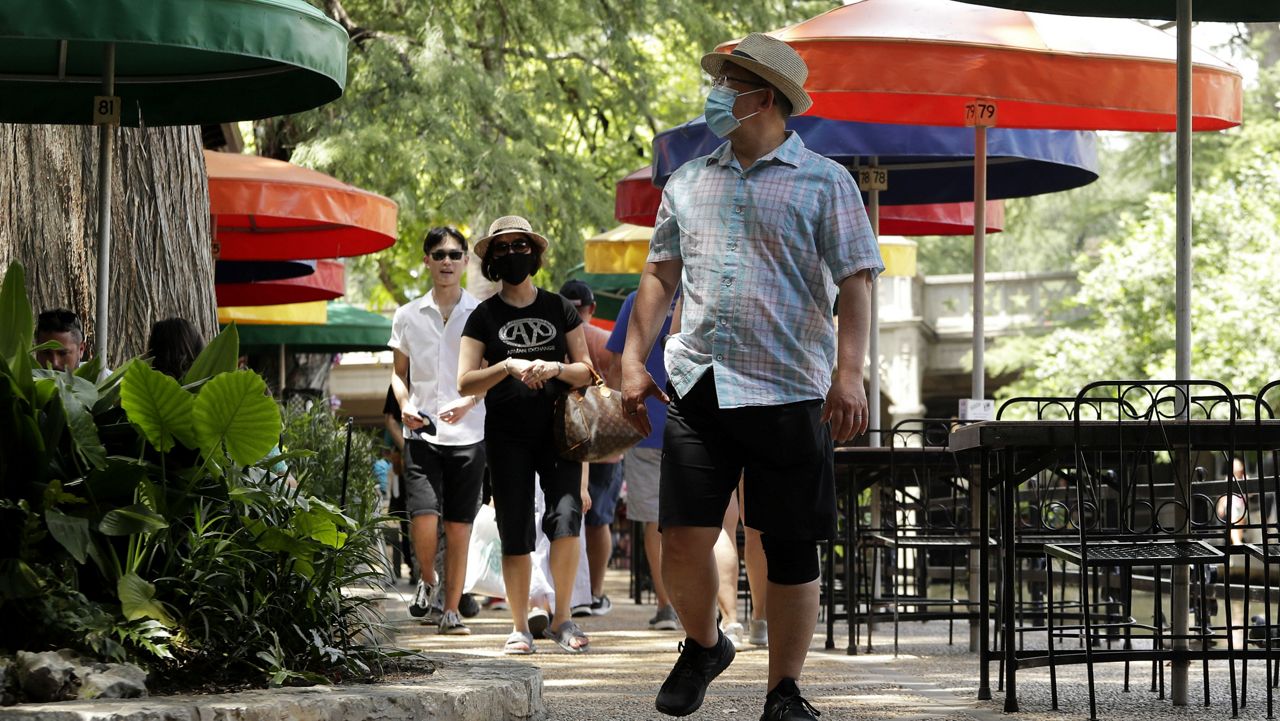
pixel 141 520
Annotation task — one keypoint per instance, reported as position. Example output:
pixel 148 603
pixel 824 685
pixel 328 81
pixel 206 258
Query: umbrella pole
pixel 978 391
pixel 106 138
pixel 873 343
pixel 1181 578
pixel 283 356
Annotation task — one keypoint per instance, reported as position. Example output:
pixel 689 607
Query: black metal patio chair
pixel 1142 501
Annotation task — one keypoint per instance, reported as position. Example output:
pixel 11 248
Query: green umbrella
pixel 1228 11
pixel 348 329
pixel 176 62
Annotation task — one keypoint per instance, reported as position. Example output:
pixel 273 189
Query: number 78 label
pixel 981 114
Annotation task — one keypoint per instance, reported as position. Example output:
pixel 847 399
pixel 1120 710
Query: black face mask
pixel 513 268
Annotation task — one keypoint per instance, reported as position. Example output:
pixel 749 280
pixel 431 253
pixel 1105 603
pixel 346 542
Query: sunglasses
pixel 724 80
pixel 439 255
pixel 515 246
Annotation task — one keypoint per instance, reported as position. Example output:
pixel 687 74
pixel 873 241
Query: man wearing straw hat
pixel 760 234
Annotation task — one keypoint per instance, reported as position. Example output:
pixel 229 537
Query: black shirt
pixel 539 331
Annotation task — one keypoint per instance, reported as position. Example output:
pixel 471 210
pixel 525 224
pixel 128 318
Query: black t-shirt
pixel 536 332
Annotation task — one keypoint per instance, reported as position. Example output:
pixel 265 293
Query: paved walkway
pixel 929 681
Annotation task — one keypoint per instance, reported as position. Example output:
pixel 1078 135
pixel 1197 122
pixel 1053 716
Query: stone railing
pixel 1015 302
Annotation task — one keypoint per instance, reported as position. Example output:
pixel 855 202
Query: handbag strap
pixel 596 380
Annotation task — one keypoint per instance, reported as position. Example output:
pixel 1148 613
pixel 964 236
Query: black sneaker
pixel 422 600
pixel 686 685
pixel 468 606
pixel 601 605
pixel 784 703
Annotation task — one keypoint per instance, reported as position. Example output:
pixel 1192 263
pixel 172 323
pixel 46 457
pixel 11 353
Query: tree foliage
pixel 462 111
pixel 1127 283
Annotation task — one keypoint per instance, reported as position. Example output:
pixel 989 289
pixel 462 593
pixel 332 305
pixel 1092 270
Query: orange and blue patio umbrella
pixel 939 62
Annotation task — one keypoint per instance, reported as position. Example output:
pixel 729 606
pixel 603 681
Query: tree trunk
pixel 161 242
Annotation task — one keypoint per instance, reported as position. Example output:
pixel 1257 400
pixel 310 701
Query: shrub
pixel 140 520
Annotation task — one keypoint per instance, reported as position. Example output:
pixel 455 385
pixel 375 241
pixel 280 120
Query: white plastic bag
pixel 484 557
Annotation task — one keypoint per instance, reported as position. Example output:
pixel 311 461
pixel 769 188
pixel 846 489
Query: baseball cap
pixel 578 292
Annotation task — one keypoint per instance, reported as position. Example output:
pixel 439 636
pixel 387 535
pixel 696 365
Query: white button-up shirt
pixel 419 331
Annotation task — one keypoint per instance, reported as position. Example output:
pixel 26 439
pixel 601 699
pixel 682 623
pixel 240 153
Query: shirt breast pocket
pixel 783 225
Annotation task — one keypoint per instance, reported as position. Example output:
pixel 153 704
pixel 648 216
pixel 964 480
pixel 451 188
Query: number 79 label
pixel 981 114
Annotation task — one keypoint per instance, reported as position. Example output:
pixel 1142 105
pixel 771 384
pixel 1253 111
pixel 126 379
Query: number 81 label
pixel 106 110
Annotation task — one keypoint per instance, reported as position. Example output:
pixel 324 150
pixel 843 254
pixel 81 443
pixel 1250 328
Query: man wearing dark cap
pixel 604 480
pixel 760 235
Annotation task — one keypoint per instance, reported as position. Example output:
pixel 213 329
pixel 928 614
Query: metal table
pixel 1034 446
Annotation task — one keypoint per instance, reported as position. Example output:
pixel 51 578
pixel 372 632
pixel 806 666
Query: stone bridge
pixel 926 331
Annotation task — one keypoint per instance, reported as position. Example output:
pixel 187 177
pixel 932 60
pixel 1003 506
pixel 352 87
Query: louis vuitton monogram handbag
pixel 590 424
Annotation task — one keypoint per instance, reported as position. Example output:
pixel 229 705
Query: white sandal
pixel 519 643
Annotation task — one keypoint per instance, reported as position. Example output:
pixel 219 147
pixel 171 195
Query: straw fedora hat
pixel 770 58
pixel 506 225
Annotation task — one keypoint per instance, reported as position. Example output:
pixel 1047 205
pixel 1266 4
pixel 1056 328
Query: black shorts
pixel 444 480
pixel 784 453
pixel 512 465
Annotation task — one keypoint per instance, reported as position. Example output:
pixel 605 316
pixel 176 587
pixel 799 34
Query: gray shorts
pixel 641 467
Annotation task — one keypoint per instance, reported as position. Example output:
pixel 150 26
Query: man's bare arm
pixel 846 406
pixel 658 285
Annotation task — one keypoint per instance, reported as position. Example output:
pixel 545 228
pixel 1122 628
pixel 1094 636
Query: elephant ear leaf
pixel 158 406
pixel 220 356
pixel 233 413
pixel 70 531
pixel 138 599
pixel 16 328
pixel 15 315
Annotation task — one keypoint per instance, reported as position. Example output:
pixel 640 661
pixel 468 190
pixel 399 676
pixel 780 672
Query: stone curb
pixel 460 691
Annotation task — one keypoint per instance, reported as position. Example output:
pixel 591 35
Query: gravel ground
pixel 930 680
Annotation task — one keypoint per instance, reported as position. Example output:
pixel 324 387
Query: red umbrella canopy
pixel 265 209
pixel 327 283
pixel 922 61
pixel 636 202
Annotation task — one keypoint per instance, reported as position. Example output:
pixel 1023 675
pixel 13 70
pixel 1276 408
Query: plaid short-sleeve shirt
pixel 762 250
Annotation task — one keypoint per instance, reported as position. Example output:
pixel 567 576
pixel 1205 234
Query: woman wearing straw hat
pixel 520 349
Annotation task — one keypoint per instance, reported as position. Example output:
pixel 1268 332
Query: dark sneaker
pixel 686 685
pixel 422 600
pixel 665 620
pixel 468 606
pixel 539 622
pixel 451 625
pixel 582 609
pixel 601 605
pixel 784 703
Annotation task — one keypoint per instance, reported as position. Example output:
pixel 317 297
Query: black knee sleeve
pixel 790 562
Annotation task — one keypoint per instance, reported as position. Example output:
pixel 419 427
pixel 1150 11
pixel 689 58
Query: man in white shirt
pixel 444 460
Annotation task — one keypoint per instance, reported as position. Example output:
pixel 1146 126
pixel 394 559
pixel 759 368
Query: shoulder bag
pixel 590 424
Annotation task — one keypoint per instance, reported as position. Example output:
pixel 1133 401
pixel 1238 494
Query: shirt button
pixel 719 357
pixel 737 209
pixel 728 281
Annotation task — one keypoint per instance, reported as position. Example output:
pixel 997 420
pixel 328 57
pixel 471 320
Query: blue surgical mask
pixel 719 110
